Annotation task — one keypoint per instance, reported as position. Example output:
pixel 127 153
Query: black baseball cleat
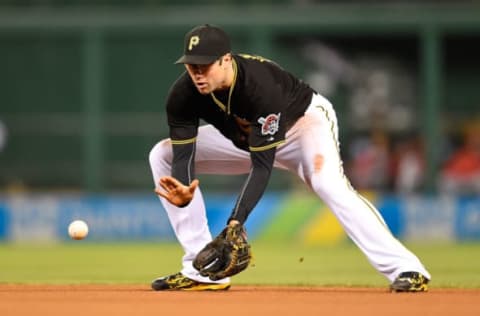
pixel 410 282
pixel 179 282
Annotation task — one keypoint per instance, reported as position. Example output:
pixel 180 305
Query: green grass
pixel 451 265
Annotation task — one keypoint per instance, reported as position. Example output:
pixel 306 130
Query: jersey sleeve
pixel 255 185
pixel 268 130
pixel 268 123
pixel 182 118
pixel 266 134
pixel 183 124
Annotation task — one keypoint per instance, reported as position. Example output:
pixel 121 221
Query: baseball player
pixel 258 116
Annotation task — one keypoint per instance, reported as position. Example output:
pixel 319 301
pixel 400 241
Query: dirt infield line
pixel 120 300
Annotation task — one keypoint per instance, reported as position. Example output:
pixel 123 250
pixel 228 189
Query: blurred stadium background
pixel 82 89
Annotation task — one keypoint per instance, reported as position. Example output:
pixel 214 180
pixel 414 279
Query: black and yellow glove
pixel 228 254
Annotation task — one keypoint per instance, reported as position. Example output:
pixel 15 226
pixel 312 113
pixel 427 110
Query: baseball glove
pixel 228 254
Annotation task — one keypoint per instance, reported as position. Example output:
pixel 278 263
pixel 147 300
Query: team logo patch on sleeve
pixel 270 124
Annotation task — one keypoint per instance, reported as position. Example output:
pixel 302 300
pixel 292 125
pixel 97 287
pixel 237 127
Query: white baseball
pixel 78 229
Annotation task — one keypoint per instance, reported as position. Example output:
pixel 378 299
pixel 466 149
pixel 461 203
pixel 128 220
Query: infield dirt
pixel 120 300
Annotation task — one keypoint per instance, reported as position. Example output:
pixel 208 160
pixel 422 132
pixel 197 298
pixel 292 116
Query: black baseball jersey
pixel 263 102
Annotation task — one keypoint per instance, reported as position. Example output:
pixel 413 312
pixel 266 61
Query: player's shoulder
pixel 257 66
pixel 253 58
pixel 254 62
pixel 258 74
pixel 181 94
pixel 182 83
pixel 182 88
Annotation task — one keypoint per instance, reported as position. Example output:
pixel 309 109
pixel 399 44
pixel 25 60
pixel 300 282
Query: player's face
pixel 209 78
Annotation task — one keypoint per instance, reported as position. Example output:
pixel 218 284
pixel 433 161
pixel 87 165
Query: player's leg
pixel 214 154
pixel 315 139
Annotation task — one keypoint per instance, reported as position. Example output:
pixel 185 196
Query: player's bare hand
pixel 176 192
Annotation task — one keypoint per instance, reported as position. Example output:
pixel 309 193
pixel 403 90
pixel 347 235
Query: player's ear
pixel 226 58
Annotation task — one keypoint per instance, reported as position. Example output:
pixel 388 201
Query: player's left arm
pixel 230 253
pixel 255 184
pixel 267 133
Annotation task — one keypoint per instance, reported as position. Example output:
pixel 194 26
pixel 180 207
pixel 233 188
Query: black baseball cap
pixel 204 44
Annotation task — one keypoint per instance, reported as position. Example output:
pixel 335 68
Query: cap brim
pixel 196 60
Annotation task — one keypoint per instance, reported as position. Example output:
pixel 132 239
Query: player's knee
pixel 326 182
pixel 161 152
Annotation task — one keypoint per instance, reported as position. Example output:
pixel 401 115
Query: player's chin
pixel 204 89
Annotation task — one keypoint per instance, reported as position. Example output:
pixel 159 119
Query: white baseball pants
pixel 311 151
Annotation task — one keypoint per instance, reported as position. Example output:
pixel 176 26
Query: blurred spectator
pixel 461 172
pixel 370 160
pixel 408 165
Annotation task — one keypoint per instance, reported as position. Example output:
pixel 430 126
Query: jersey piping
pixel 183 141
pixel 230 92
pixel 262 148
pixel 240 197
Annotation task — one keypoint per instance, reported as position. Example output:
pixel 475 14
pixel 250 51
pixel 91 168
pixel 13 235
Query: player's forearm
pixel 183 166
pixel 252 191
pixel 254 186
